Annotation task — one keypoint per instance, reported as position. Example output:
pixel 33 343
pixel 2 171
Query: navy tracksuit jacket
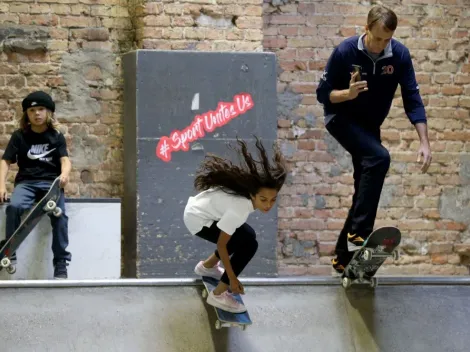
pixel 370 108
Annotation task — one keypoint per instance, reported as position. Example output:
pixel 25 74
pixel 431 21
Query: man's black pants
pixel 371 162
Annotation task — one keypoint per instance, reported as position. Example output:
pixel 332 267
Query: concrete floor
pixel 285 318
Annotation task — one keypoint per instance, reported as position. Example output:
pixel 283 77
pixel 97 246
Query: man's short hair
pixel 383 16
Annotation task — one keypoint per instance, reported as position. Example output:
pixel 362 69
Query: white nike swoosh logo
pixel 38 156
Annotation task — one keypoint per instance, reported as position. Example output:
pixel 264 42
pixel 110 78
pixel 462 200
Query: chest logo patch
pixel 387 70
pixel 40 152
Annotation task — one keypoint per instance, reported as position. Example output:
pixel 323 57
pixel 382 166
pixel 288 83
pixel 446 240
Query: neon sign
pixel 207 122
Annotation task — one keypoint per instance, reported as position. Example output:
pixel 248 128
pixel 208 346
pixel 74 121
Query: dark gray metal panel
pixel 166 83
pixel 129 206
pixel 165 246
pixel 170 79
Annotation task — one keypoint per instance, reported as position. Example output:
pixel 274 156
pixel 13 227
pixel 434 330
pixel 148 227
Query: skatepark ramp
pixel 402 314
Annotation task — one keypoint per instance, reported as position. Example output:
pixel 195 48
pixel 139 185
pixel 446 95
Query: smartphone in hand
pixel 357 69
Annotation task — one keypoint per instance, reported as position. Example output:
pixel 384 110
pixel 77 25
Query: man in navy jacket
pixel 356 90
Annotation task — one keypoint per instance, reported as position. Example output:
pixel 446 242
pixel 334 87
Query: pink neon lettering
pixel 207 122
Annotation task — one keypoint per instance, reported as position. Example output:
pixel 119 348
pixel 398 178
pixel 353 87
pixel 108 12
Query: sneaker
pixel 60 270
pixel 216 272
pixel 337 265
pixel 341 262
pixel 225 301
pixel 355 242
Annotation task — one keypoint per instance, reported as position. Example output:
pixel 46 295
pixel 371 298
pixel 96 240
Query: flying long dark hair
pixel 243 180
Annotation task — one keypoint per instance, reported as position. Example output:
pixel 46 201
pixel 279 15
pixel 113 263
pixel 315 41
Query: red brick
pixel 303 88
pixel 307 9
pixel 307 145
pixel 287 19
pixel 289 31
pixel 275 42
pixel 284 123
pixel 440 248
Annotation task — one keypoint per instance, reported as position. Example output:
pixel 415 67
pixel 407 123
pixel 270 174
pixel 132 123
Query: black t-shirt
pixel 37 154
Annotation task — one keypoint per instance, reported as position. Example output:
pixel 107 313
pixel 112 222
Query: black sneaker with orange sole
pixel 338 265
pixel 355 242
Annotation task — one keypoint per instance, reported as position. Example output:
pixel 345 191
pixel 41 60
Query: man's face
pixel 377 38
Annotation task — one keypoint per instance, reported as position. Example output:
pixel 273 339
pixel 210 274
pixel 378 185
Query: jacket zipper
pixel 374 62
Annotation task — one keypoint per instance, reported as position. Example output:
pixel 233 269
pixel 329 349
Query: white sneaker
pixel 216 272
pixel 225 301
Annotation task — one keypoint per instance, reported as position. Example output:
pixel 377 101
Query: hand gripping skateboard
pixel 365 263
pixel 224 318
pixel 48 204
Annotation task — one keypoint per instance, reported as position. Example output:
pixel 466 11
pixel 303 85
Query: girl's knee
pixel 248 230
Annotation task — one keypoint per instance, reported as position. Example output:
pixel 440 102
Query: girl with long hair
pixel 229 193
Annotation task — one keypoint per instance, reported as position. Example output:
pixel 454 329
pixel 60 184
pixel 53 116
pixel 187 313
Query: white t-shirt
pixel 230 211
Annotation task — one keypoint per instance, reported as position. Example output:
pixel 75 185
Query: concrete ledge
pixel 94 241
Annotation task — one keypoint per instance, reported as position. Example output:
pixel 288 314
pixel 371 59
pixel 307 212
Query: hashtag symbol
pixel 164 150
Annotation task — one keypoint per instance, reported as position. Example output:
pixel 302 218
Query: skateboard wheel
pixel 57 212
pixel 374 282
pixel 346 282
pixel 218 325
pixel 50 205
pixel 5 262
pixel 204 293
pixel 367 255
pixel 395 255
pixel 11 269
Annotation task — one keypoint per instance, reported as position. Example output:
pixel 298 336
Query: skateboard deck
pixel 46 205
pixel 365 263
pixel 224 318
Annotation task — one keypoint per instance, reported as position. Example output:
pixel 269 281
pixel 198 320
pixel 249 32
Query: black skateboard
pixel 380 245
pixel 45 206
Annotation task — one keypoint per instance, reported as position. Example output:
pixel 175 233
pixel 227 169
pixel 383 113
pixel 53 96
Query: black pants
pixel 242 246
pixel 371 162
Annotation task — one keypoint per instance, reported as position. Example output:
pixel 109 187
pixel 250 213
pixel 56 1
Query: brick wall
pixel 69 48
pixel 431 209
pixel 205 25
pixel 72 49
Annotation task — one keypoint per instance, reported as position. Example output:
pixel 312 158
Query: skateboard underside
pixel 48 204
pixel 382 244
pixel 224 318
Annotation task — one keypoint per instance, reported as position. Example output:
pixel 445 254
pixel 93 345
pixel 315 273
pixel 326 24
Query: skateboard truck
pixel 6 263
pixel 51 206
pixel 369 254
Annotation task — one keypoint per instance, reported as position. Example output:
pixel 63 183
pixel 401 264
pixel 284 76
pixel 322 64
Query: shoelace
pixel 231 298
